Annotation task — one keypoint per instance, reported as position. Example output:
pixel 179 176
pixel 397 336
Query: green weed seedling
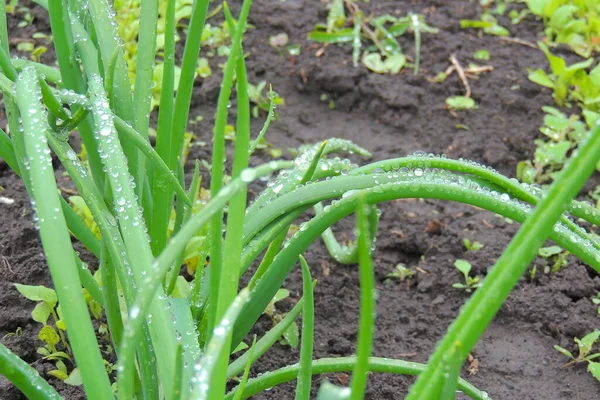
pixel 482 55
pixel 51 335
pixel 470 283
pixel 461 103
pixel 584 347
pixel 557 256
pixel 596 301
pixel 400 273
pixel 574 23
pixel 382 53
pixel 472 246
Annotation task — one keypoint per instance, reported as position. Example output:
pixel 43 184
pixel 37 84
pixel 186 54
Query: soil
pixel 391 115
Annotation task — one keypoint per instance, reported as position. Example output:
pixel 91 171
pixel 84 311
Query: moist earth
pixel 390 115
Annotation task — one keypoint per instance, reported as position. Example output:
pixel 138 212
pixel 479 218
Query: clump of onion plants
pixel 176 343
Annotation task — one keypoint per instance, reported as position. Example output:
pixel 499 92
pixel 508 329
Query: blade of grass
pixel 217 173
pixel 202 382
pixel 192 194
pixel 364 345
pixel 483 305
pixel 232 246
pixel 242 384
pixel 164 200
pixel 308 325
pixel 108 38
pixel 160 198
pixel 56 241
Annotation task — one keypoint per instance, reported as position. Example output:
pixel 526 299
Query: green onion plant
pixel 175 343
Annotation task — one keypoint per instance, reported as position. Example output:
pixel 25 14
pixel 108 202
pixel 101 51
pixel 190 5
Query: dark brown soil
pixel 391 116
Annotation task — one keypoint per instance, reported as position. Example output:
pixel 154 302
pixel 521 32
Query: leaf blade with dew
pixel 267 123
pixel 132 227
pixel 242 385
pixel 161 265
pixel 424 188
pixel 366 329
pixel 499 282
pixel 203 377
pixel 24 377
pixel 452 368
pixel 236 211
pixel 164 199
pixel 268 340
pixel 160 200
pixel 342 36
pixel 218 158
pixel 308 325
pixel 107 38
pixel 345 364
pixel 55 237
pixel 138 141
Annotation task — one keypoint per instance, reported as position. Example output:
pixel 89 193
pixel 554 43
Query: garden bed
pixel 391 116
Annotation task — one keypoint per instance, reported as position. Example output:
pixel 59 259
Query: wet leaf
pixel 463 266
pixel 549 251
pixel 586 343
pixel 540 77
pixel 459 103
pixel 58 374
pixel 291 336
pixel 342 36
pixel 564 352
pixel 38 293
pixel 74 378
pixel 482 55
pixel 41 312
pixel 391 65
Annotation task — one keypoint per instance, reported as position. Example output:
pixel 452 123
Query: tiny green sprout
pixel 400 273
pixel 472 246
pixel 584 346
pixel 470 282
pixel 481 55
pixel 557 255
pixel 291 335
pixel 596 301
pixel 294 49
pixel 460 103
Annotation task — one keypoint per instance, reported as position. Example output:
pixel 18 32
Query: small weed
pixel 400 273
pixel 481 55
pixel 556 255
pixel 382 54
pixel 461 103
pixel 472 246
pixel 574 23
pixel 584 347
pixel 470 282
pixel 596 301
